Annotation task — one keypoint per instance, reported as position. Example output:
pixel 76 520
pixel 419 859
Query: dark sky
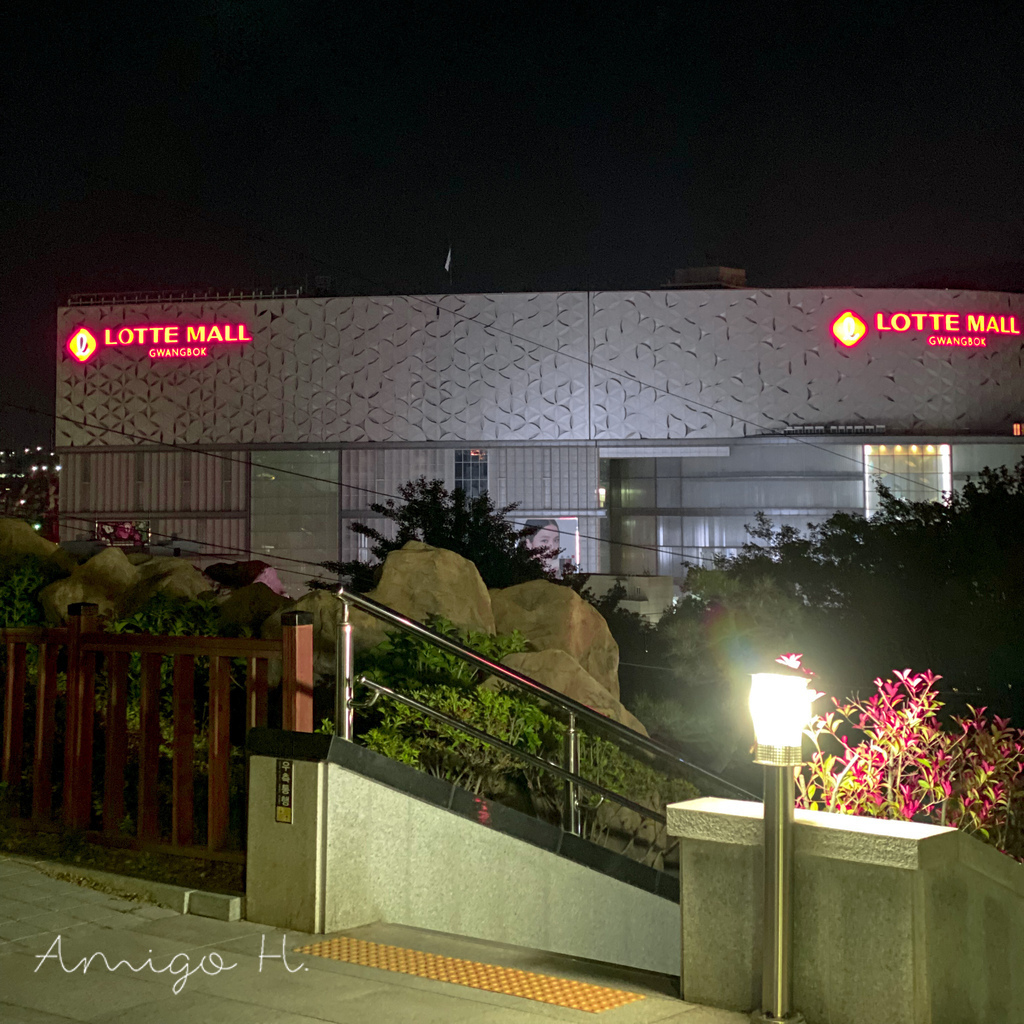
pixel 235 144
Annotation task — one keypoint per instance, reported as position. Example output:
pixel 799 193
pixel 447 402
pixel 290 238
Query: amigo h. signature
pixel 180 965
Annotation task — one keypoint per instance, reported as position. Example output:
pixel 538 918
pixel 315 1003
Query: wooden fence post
pixel 79 707
pixel 218 816
pixel 149 744
pixel 116 728
pixel 14 718
pixel 183 749
pixel 46 701
pixel 297 674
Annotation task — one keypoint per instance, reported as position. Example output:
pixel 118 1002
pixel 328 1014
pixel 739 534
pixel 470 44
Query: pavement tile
pixel 20 930
pixel 78 996
pixel 11 1014
pixel 97 912
pixel 694 1014
pixel 51 921
pixel 196 1008
pixel 15 910
pixel 153 913
pixel 61 901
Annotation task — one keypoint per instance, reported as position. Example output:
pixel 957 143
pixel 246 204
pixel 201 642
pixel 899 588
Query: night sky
pixel 262 144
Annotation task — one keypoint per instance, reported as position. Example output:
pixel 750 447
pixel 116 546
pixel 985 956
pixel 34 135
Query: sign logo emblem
pixel 848 328
pixel 82 345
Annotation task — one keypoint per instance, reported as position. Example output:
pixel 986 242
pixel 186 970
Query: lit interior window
pixel 914 473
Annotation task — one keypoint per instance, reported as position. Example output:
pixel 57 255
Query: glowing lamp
pixel 780 705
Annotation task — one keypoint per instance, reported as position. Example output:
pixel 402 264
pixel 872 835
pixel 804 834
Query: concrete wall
pixel 894 922
pixel 361 852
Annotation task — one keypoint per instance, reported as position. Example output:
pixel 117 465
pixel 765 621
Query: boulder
pixel 553 617
pixel 423 581
pixel 562 672
pixel 251 606
pixel 326 609
pixel 174 577
pixel 18 538
pixel 103 580
pixel 418 580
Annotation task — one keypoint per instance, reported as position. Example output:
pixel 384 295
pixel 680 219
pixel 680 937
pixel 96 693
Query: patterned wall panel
pixel 504 367
pixel 671 364
pixel 520 367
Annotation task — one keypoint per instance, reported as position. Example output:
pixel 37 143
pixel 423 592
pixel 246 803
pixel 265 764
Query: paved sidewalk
pixel 231 985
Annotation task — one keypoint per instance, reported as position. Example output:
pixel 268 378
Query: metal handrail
pixel 571 709
pixel 537 762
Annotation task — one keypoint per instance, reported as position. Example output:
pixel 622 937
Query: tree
pixel 938 583
pixel 472 527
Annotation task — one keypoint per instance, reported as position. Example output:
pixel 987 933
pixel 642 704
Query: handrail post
pixel 344 673
pixel 571 801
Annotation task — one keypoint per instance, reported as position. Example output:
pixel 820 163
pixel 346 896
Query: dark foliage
pixel 475 528
pixel 935 583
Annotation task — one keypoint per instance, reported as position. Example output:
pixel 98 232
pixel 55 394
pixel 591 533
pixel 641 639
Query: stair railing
pixel 567 710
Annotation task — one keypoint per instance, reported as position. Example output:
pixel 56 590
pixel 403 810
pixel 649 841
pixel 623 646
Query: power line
pixel 180 446
pixel 616 374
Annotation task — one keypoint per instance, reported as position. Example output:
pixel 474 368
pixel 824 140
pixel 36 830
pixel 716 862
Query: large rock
pixel 553 617
pixel 418 580
pixel 423 581
pixel 18 538
pixel 173 577
pixel 103 581
pixel 562 672
pixel 326 610
pixel 249 607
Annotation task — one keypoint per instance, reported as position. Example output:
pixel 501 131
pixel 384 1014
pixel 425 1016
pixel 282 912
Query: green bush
pixel 454 687
pixel 21 579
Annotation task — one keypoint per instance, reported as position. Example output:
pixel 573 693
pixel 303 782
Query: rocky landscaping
pixel 540 628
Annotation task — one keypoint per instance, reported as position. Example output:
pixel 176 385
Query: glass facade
pixel 664 512
pixel 294 513
pixel 471 471
pixel 914 472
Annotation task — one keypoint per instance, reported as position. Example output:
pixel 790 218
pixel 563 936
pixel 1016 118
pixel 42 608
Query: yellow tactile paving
pixel 576 995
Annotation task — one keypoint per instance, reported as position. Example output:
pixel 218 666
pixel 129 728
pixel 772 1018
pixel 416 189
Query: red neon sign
pixel 848 328
pixel 82 345
pixel 189 341
pixel 948 329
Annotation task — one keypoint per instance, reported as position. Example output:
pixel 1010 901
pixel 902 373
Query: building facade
pixel 647 428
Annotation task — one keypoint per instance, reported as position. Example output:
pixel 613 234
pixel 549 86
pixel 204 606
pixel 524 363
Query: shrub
pixel 909 767
pixel 454 687
pixel 21 579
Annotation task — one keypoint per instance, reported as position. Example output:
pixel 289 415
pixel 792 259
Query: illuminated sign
pixel 82 345
pixel 189 341
pixel 848 328
pixel 943 329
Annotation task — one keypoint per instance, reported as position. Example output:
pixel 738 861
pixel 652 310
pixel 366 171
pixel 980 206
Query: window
pixel 294 512
pixel 471 471
pixel 914 472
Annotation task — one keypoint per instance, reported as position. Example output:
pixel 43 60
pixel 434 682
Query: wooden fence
pixel 81 650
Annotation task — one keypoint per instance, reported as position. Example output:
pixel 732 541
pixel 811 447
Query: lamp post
pixel 780 705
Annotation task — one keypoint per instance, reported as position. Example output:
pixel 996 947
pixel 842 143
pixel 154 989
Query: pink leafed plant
pixel 908 766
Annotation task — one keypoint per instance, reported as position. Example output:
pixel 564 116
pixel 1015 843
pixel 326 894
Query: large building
pixel 648 427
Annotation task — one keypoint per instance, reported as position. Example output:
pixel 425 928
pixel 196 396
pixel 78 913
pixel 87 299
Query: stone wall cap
pixel 897 844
